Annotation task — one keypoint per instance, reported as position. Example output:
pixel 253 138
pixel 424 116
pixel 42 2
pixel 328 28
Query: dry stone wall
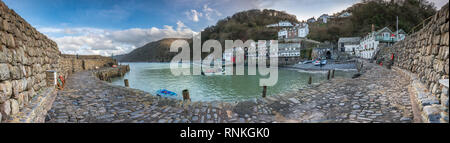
pixel 25 57
pixel 426 54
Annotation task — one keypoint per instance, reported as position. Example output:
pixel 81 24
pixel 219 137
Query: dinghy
pixel 165 93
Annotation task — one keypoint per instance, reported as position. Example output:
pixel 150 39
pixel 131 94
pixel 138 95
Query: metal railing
pixel 421 25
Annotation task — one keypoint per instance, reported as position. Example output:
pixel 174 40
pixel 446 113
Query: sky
pixel 106 27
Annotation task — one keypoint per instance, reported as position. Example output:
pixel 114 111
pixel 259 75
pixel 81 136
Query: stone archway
pixel 328 55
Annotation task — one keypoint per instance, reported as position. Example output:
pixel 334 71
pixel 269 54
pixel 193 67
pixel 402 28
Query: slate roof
pixel 354 40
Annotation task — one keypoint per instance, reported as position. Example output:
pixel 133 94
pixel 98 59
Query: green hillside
pixel 381 13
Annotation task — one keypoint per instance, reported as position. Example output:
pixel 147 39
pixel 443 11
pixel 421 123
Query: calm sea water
pixel 151 77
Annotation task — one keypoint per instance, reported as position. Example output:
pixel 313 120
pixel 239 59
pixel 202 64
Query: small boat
pixel 306 62
pixel 218 71
pixel 165 93
pixel 320 62
pixel 317 63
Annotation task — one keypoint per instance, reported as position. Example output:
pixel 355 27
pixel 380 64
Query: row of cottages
pixel 288 51
pixel 324 17
pixel 290 37
pixel 291 30
pixel 368 45
pixel 374 40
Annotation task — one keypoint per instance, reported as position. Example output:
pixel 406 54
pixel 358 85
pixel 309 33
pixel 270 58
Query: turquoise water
pixel 151 77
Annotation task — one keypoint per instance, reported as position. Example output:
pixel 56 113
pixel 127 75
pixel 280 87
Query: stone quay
pixel 378 96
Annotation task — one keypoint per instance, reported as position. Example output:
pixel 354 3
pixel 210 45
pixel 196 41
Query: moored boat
pixel 165 93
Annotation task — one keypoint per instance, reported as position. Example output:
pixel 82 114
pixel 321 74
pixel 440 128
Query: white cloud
pixel 210 12
pixel 206 12
pixel 88 41
pixel 439 3
pixel 194 15
pixel 72 31
pixel 303 9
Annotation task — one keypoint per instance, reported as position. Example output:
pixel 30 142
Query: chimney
pixel 373 28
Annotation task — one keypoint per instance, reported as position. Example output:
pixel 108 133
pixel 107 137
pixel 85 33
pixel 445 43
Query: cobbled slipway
pixel 379 95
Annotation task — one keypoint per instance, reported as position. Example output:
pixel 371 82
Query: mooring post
pixel 264 91
pixel 310 80
pixel 332 73
pixel 126 83
pixel 329 74
pixel 186 95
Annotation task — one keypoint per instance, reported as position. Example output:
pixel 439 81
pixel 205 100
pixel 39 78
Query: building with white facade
pixel 281 24
pixel 401 34
pixel 289 52
pixel 289 49
pixel 349 45
pixel 283 33
pixel 323 18
pixel 257 49
pixel 345 14
pixel 303 30
pixel 298 30
pixel 229 55
pixel 370 43
pixel 311 20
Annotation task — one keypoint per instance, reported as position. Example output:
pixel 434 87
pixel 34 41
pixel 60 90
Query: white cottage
pixel 311 20
pixel 345 14
pixel 349 45
pixel 303 30
pixel 323 18
pixel 370 43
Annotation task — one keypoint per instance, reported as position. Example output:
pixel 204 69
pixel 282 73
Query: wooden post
pixel 332 73
pixel 310 80
pixel 329 74
pixel 186 95
pixel 126 83
pixel 264 92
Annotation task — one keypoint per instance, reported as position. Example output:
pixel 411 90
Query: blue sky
pixel 108 27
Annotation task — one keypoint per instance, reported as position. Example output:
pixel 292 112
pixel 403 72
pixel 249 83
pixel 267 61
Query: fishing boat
pixel 165 93
pixel 217 71
pixel 320 62
pixel 317 63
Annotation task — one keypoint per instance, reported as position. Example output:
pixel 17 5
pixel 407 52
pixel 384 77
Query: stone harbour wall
pixel 106 74
pixel 76 63
pixel 25 57
pixel 426 54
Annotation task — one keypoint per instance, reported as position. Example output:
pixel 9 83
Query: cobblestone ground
pixel 379 95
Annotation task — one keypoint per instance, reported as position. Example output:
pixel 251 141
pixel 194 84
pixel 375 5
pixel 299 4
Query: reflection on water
pixel 151 77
